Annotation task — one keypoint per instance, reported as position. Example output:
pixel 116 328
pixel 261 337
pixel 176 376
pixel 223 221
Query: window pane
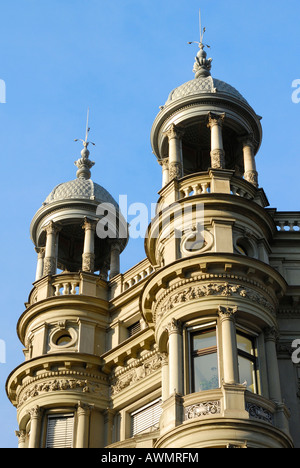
pixel 205 339
pixel 206 372
pixel 245 344
pixel 60 432
pixel 247 373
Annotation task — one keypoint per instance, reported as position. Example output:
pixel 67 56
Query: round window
pixel 63 340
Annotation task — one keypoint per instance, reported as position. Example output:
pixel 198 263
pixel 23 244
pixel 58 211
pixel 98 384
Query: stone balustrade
pixel 194 186
pixel 287 222
pixel 213 181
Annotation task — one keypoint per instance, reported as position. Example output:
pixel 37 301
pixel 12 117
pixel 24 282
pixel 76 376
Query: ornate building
pixel 191 348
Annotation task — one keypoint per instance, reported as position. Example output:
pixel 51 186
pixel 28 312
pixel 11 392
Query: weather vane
pixel 85 142
pixel 202 32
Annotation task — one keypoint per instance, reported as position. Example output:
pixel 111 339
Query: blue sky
pixel 122 58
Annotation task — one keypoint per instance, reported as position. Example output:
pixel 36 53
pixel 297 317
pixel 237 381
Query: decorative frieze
pixel 211 289
pixel 257 412
pixel 202 409
pixel 47 382
pixel 83 386
pixel 135 372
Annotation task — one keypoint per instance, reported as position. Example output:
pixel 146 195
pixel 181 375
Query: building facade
pixel 193 346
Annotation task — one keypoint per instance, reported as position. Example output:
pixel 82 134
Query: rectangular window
pixel 60 429
pixel 247 361
pixel 133 329
pixel 204 353
pixel 146 419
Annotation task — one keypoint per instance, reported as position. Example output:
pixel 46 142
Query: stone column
pixel 174 329
pixel 215 123
pixel 272 364
pixel 50 262
pixel 250 172
pixel 229 344
pixel 21 439
pixel 35 427
pixel 109 415
pixel 165 376
pixel 114 260
pixel 165 171
pixel 83 425
pixel 175 152
pixel 40 263
pixel 88 256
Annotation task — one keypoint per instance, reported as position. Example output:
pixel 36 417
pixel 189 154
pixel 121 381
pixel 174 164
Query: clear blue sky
pixel 122 58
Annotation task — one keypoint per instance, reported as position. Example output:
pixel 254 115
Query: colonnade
pixel 47 255
pixel 173 360
pixel 172 166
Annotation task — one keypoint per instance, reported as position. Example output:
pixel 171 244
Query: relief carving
pixel 136 372
pixel 212 289
pixel 55 385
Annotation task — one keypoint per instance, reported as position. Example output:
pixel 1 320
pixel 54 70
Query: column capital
pixel 247 140
pixel 175 326
pixel 35 412
pixel 89 224
pixel 21 436
pixel 84 409
pixel 174 132
pixel 227 313
pixel 164 359
pixel 164 163
pixel 215 119
pixel 40 251
pixel 115 246
pixel 52 228
pixel 271 334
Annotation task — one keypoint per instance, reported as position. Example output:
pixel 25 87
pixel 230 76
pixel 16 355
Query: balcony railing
pixel 72 284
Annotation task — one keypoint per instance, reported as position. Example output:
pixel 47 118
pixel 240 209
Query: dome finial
pixel 202 65
pixel 84 164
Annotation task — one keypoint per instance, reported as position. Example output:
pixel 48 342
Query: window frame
pixel 253 358
pixel 57 415
pixel 192 331
pixel 143 409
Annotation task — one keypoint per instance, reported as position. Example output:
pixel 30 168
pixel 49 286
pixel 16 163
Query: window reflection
pixel 204 361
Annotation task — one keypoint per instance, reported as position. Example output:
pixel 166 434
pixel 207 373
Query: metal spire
pixel 202 65
pixel 84 164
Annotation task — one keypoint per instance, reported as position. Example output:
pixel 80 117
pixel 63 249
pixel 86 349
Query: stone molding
pixel 202 409
pixel 169 300
pixel 258 412
pixel 88 262
pixel 227 313
pixel 217 158
pixel 46 383
pixel 136 372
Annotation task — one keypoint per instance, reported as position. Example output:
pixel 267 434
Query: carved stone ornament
pixel 257 412
pixel 88 262
pixel 196 240
pixel 217 159
pixel 202 409
pixel 227 312
pixel 49 266
pixel 211 289
pixel 55 385
pixel 252 177
pixel 175 171
pixel 135 372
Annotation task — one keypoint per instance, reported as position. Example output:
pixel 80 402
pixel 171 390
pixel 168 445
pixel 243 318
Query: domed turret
pixel 206 123
pixel 64 228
